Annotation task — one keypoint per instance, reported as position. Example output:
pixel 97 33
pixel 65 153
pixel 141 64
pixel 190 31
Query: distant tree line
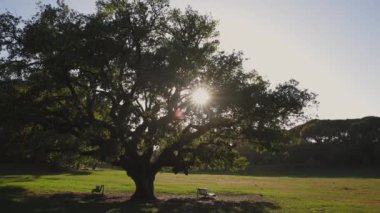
pixel 327 143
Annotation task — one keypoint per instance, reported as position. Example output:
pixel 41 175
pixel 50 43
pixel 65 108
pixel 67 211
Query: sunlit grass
pixel 301 194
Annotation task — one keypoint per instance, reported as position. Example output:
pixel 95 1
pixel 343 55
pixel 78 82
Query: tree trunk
pixel 144 183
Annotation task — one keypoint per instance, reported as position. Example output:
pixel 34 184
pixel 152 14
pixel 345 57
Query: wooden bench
pixel 203 192
pixel 98 190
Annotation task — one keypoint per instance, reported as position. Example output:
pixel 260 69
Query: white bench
pixel 203 192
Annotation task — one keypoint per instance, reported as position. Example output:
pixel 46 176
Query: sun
pixel 200 96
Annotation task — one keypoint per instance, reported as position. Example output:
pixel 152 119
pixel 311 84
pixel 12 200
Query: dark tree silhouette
pixel 362 130
pixel 343 143
pixel 117 84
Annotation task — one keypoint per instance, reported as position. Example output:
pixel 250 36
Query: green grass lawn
pixel 321 192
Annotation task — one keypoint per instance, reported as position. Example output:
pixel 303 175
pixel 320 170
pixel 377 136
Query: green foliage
pixel 219 157
pixel 109 85
pixel 365 130
pixel 343 142
pixel 327 143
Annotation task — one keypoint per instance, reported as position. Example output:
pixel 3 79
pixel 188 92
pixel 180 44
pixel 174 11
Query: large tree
pixel 139 84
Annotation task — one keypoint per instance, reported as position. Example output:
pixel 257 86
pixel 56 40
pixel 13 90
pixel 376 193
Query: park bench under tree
pixel 98 190
pixel 203 192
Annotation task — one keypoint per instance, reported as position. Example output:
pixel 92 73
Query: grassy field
pixel 307 191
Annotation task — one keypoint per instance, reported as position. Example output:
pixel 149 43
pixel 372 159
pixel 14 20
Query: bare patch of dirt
pixel 123 197
pixel 120 202
pixel 219 197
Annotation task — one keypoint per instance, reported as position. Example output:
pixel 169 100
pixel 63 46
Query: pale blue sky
pixel 331 46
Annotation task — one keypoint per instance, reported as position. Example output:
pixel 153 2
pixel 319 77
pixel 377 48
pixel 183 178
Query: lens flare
pixel 200 96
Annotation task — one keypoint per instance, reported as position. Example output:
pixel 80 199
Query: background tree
pixel 339 143
pixel 142 85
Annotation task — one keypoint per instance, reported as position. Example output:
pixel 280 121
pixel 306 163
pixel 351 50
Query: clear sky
pixel 331 46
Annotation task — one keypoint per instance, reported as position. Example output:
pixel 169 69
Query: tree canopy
pixel 363 130
pixel 117 85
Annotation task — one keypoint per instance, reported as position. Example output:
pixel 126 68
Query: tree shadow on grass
pixel 15 199
pixel 193 205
